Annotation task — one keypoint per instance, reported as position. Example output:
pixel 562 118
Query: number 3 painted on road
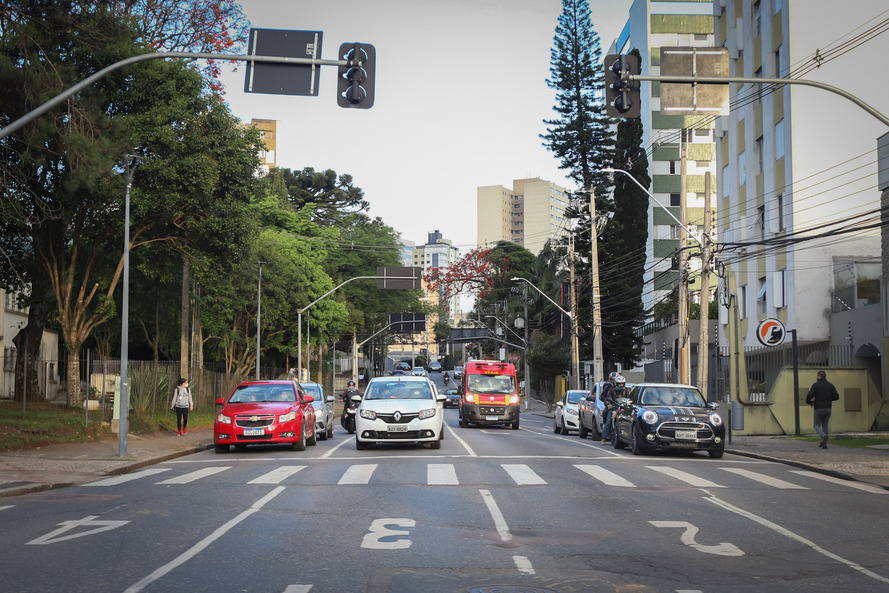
pixel 380 528
pixel 688 538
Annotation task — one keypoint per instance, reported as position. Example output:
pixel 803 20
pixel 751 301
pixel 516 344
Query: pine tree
pixel 624 237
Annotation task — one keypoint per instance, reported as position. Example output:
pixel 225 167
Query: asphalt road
pixel 493 510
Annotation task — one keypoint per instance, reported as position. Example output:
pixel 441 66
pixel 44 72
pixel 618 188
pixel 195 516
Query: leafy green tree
pixel 330 197
pixel 548 357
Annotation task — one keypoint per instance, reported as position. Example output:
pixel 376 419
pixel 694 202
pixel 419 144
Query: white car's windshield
pixel 398 390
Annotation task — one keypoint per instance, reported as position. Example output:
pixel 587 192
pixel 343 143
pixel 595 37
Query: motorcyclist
pixel 609 398
pixel 447 378
pixel 351 390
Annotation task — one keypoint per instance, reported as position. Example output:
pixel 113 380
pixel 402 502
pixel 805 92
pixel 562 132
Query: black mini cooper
pixel 666 416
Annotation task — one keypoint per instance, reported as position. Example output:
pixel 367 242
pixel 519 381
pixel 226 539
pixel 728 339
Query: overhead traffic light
pixel 621 94
pixel 355 86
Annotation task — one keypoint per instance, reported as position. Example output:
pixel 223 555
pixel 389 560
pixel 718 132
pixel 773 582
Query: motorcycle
pixel 347 418
pixel 446 379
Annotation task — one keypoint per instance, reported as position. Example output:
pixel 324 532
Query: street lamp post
pixel 570 317
pixel 124 404
pixel 258 316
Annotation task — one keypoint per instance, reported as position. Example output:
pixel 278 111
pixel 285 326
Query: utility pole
pixel 575 356
pixel 703 336
pixel 598 366
pixel 684 362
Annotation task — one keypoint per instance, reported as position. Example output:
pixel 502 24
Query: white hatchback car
pixel 400 409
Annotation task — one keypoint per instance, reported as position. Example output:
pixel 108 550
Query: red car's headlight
pixel 287 417
pixel 223 419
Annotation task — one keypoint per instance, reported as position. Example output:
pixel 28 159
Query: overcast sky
pixel 461 96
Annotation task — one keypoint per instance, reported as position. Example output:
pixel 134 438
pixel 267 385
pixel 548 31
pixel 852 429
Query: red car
pixel 265 412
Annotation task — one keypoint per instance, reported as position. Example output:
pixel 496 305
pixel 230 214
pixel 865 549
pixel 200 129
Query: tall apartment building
pixel 653 24
pixel 795 161
pixel 268 130
pixel 530 214
pixel 437 252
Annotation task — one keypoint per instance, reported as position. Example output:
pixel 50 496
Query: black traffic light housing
pixel 355 86
pixel 621 94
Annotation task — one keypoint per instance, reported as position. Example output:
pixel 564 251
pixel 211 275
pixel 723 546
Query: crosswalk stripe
pixel 851 484
pixel 609 478
pixel 128 477
pixel 358 474
pixel 441 474
pixel 686 477
pixel 278 475
pixel 522 475
pixel 192 476
pixel 763 479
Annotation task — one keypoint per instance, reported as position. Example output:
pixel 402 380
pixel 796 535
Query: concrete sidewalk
pixel 56 466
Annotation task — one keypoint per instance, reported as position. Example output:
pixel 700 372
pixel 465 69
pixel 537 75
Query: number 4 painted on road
pixel 380 528
pixel 688 538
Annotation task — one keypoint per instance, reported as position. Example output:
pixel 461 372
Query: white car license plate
pixel 253 432
pixel 689 435
pixel 491 418
pixel 396 427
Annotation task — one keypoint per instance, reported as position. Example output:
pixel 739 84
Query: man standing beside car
pixel 607 397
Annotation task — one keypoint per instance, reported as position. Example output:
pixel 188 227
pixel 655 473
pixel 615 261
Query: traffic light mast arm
pixel 157 56
pixel 723 80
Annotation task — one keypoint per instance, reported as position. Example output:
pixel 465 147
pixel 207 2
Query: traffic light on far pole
pixel 621 94
pixel 355 86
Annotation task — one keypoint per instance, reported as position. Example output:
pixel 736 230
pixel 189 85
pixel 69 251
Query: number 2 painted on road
pixel 381 528
pixel 688 538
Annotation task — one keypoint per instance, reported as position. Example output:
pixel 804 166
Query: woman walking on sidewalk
pixel 182 403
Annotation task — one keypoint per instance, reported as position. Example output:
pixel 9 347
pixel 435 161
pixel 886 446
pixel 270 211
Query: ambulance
pixel 489 394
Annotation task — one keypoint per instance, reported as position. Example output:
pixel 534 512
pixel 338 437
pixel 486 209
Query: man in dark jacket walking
pixel 821 396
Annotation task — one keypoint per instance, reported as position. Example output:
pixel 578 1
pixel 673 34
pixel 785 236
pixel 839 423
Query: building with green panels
pixel 653 24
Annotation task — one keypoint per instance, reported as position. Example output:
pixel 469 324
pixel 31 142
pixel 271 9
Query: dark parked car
pixel 434 367
pixel 666 416
pixel 453 400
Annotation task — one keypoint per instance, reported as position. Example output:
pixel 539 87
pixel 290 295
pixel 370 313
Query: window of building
pixel 742 302
pixel 779 139
pixel 779 212
pixel 761 296
pixel 856 284
pixel 672 167
pixel 777 6
pixel 757 154
pixel 761 220
pixel 675 231
pixel 742 168
pixel 757 19
pixel 757 88
pixel 778 291
pixel 674 200
pixel 776 64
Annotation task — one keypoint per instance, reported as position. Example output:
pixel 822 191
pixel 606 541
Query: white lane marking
pixel 499 521
pixel 524 565
pixel 522 475
pixel 609 478
pixel 358 474
pixel 798 538
pixel 688 538
pixel 128 477
pixel 690 479
pixel 277 475
pixel 338 445
pixel 461 441
pixel 298 589
pixel 192 476
pixel 763 479
pixel 439 474
pixel 90 521
pixel 6 506
pixel 187 555
pixel 833 480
